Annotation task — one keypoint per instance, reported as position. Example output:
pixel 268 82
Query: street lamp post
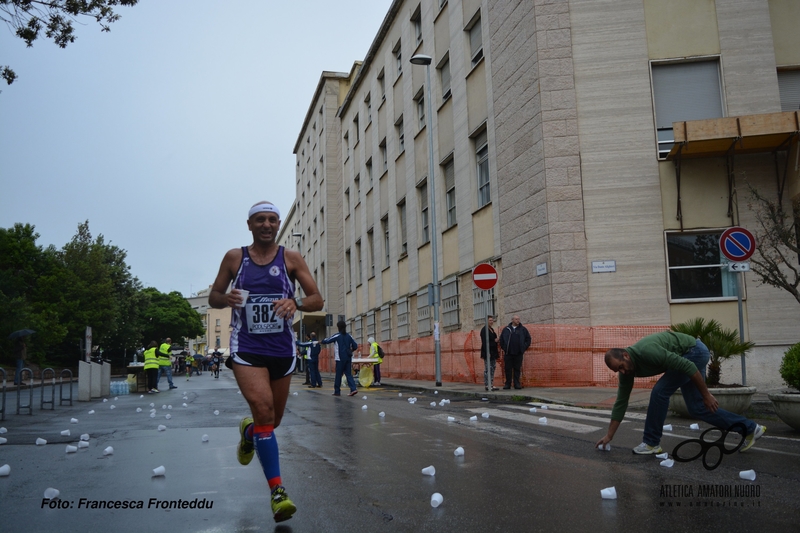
pixel 421 59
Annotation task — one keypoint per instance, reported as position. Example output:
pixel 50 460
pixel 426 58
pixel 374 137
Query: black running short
pixel 278 366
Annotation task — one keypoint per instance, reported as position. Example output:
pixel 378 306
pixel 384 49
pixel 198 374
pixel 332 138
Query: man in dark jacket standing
pixel 514 340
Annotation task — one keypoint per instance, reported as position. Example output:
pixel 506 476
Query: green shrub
pixel 790 366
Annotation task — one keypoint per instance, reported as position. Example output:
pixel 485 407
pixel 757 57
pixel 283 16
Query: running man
pixel 262 340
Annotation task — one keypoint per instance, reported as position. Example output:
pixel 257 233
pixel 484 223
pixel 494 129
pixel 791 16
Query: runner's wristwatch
pixel 298 301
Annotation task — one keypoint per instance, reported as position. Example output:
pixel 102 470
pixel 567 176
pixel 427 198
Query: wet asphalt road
pixel 349 469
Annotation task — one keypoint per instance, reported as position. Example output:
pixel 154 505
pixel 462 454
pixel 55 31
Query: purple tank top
pixel 256 328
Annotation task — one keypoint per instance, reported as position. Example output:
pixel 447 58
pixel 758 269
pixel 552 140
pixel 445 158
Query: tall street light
pixel 421 59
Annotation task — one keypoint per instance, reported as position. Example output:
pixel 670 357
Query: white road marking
pixel 533 419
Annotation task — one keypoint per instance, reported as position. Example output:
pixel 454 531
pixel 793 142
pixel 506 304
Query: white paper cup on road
pixel 162 428
pixel 5 470
pixel 71 449
pixel 543 420
pixel 51 493
pixel 65 433
pixel 604 447
pixel 485 415
pixel 748 474
pixel 168 417
pixel 668 427
pixel 138 409
pixel 667 463
pixel 609 493
pixel 433 404
pixel 159 471
pixel 451 419
pixel 381 414
pixel 40 442
pixel 532 409
pixel 429 470
pixel 364 408
pixel 73 420
pixel 108 451
pixel 83 444
pixel 3 430
pixel 664 455
pixel 474 418
pixel 694 426
pixel 85 436
pixel 459 452
pixel 204 438
pixel 244 295
pixel 3 440
pixel 436 499
pixel 91 412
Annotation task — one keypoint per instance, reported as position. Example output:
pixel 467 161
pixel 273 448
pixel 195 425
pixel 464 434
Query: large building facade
pixel 557 159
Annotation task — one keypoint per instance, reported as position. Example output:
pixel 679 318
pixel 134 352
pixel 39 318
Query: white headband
pixel 261 208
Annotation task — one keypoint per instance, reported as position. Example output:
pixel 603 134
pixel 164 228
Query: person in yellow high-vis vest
pixel 374 353
pixel 151 367
pixel 164 362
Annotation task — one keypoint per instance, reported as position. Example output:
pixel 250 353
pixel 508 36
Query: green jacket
pixel 653 355
pixel 163 354
pixel 150 359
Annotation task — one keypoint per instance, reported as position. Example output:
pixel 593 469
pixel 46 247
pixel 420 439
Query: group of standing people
pixel 157 361
pixel 513 340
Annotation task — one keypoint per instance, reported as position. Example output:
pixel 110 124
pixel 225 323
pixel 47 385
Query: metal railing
pixel 52 400
pixel 29 407
pixel 61 399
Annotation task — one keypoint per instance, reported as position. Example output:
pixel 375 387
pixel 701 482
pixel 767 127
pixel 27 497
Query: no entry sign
pixel 737 244
pixel 484 276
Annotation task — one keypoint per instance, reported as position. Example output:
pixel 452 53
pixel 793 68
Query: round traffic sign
pixel 737 244
pixel 484 276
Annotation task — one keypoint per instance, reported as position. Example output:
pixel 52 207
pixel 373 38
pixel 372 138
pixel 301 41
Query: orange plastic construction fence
pixel 559 356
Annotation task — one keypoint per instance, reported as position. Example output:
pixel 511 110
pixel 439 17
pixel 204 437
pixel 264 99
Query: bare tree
pixel 776 261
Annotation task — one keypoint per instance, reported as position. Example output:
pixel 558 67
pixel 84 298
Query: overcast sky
pixel 165 130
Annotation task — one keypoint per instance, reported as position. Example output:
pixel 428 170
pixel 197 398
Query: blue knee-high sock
pixel 267 448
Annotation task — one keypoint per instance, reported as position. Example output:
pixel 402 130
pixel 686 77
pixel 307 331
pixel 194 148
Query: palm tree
pixel 721 342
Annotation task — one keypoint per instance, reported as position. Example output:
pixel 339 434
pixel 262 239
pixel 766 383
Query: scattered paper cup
pixel 363 407
pixel 159 471
pixel 668 427
pixel 113 407
pixel 543 420
pixel 435 392
pixel 105 400
pixel 400 394
pixel 65 433
pixel 244 294
pixel 71 449
pixel 451 419
pixel 604 447
pixel 5 470
pixel 162 428
pixel 543 406
pixel 85 436
pixel 436 499
pixel 169 407
pixel 474 418
pixel 433 404
pixel 152 405
pixel 138 409
pixel 40 442
pixel 667 463
pixel 694 426
pixel 364 397
pixel 3 430
pixel 152 415
pixel 51 493
pixel 532 409
pixel 167 416
pixel 459 451
pixel 429 471
pixel 485 415
pixel 204 438
pixel 382 414
pixel 184 405
pixel 609 493
pixel 294 394
pixel 216 413
pixel 73 420
pixel 164 406
pixel 664 455
pixel 83 444
pixel 91 412
pixel 108 451
pixel 3 440
pixel 116 398
pixel 748 474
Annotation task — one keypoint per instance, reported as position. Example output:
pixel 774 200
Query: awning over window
pixel 734 135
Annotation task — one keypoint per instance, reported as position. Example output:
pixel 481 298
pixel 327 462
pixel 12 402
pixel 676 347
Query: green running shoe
pixel 246 450
pixel 282 506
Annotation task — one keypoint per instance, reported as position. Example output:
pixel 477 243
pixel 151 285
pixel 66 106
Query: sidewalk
pixel 596 397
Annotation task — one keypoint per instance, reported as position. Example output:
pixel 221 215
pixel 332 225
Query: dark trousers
pixel 152 378
pixel 513 368
pixel 376 371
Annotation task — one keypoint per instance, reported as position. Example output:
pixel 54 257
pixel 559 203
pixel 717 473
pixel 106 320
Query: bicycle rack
pixel 52 400
pixel 3 403
pixel 61 398
pixel 29 407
